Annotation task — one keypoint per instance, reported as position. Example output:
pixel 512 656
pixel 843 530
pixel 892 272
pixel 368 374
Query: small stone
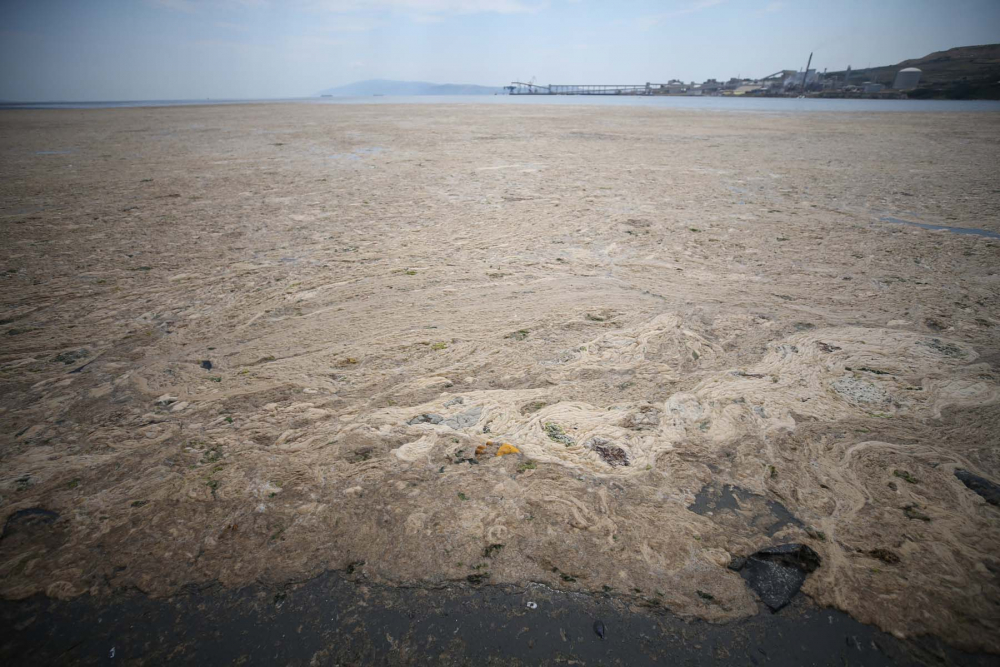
pixel 599 628
pixel 207 365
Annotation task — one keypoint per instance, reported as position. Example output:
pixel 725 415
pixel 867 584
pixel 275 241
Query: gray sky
pixel 189 49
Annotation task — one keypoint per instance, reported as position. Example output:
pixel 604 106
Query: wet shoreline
pixel 342 619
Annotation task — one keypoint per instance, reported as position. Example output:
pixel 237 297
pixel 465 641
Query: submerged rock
pixel 466 419
pixel 71 356
pixel 33 527
pixel 739 510
pixel 646 417
pixel 990 491
pixel 777 573
pixel 556 433
pixel 27 520
pixel 426 418
pixel 885 555
pixel 860 392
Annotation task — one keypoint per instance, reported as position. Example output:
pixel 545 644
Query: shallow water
pixel 759 104
pixel 957 230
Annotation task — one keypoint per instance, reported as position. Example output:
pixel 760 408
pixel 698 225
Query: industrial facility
pixel 783 83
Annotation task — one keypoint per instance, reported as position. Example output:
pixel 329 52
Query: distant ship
pixel 326 95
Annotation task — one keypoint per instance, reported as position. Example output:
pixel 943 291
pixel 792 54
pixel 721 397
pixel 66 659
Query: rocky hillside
pixel 965 72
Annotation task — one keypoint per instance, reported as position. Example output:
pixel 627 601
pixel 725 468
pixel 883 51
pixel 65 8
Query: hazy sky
pixel 185 49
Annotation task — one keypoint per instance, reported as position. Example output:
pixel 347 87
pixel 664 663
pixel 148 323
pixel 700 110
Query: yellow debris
pixel 507 449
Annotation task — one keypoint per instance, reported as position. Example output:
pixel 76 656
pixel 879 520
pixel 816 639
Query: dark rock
pixel 609 452
pixel 777 573
pixel 72 356
pixel 984 487
pixel 28 520
pixel 886 556
pixel 363 454
pixel 466 419
pixel 912 511
pixel 426 418
pixel 599 628
pixel 207 365
pixel 492 550
pixel 738 509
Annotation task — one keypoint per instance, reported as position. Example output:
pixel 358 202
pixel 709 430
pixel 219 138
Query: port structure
pixel 522 88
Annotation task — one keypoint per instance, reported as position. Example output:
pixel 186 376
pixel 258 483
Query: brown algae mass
pixel 225 360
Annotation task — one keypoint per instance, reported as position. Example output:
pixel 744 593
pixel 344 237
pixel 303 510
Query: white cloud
pixel 426 18
pixel 359 24
pixel 186 6
pixel 425 7
pixel 647 22
pixel 420 11
pixel 772 7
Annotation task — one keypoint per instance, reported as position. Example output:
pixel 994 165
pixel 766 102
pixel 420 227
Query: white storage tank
pixel 907 79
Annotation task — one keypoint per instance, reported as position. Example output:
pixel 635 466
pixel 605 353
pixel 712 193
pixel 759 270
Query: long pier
pixel 521 88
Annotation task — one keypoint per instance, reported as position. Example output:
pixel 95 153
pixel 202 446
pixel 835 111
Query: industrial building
pixel 907 79
pixel 782 83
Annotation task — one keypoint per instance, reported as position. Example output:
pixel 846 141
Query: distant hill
pixel 965 72
pixel 386 87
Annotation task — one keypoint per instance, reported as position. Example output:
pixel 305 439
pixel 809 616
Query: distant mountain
pixel 965 72
pixel 386 87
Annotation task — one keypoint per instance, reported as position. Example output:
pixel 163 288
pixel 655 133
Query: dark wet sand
pixel 339 619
